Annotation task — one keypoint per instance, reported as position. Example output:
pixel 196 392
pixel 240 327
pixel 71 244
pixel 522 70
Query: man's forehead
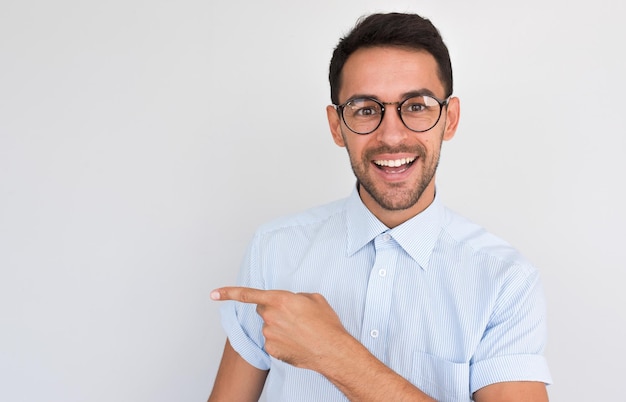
pixel 390 71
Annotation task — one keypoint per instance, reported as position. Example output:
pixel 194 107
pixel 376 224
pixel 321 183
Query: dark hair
pixel 393 29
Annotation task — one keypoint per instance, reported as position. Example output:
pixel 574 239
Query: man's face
pixel 394 165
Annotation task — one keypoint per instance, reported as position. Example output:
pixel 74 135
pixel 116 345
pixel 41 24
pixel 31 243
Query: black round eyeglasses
pixel 418 113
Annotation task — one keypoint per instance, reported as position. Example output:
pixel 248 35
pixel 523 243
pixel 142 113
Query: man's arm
pixel 303 330
pixel 360 376
pixel 236 379
pixel 514 391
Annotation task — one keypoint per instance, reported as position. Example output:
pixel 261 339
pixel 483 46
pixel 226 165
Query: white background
pixel 141 143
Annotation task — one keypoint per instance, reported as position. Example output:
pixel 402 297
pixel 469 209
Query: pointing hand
pixel 299 328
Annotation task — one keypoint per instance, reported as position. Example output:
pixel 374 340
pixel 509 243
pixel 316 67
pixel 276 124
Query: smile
pixel 394 166
pixel 394 162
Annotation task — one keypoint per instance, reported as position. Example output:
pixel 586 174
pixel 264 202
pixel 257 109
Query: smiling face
pixel 395 166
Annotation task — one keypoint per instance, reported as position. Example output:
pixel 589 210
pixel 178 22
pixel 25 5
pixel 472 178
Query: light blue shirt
pixel 440 301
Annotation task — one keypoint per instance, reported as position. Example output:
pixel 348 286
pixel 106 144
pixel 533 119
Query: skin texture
pixel 302 329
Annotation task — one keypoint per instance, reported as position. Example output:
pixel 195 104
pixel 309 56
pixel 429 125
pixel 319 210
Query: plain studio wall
pixel 141 143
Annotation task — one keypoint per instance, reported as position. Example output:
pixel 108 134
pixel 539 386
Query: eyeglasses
pixel 418 113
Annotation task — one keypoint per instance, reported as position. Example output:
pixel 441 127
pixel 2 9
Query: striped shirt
pixel 440 301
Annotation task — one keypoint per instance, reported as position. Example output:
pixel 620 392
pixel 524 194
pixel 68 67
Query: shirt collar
pixel 417 236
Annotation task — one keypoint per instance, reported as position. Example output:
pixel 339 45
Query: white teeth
pixel 395 162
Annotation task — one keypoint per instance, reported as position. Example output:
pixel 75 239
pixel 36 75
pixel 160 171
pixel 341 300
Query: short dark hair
pixel 396 30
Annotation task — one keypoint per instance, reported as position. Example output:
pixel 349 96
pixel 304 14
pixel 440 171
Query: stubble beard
pixel 395 196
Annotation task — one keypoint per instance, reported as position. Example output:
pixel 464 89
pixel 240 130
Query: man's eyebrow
pixel 406 95
pixel 358 96
pixel 419 92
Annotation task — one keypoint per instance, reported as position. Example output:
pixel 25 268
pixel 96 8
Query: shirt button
pixel 382 273
pixel 374 333
pixel 386 237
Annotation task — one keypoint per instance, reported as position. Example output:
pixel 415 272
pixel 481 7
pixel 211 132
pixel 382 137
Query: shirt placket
pixel 379 295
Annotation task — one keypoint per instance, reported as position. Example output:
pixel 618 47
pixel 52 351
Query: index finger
pixel 240 293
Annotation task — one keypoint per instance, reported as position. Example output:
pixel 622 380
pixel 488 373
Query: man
pixel 386 295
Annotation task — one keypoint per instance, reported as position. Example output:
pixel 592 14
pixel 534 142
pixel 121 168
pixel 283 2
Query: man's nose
pixel 391 130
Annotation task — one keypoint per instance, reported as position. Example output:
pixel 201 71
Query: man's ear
pixel 334 122
pixel 453 113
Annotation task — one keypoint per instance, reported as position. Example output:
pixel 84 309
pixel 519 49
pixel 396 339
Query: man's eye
pixel 366 111
pixel 415 107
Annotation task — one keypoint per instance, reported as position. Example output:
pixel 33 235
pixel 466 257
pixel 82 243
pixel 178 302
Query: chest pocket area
pixel 442 380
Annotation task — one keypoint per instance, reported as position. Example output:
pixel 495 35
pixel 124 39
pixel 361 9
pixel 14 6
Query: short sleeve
pixel 512 345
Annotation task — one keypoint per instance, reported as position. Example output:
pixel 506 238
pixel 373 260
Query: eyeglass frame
pixel 442 103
